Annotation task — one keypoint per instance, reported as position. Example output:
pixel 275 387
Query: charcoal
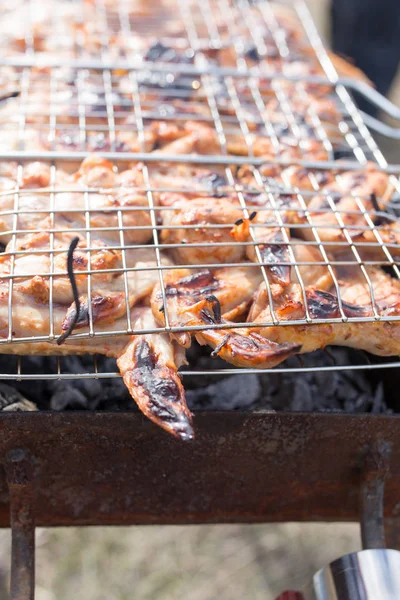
pixel 67 396
pixel 230 393
pixel 92 394
pixel 303 396
pixel 313 390
pixel 379 404
pixel 12 399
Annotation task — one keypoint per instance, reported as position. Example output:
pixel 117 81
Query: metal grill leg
pixel 376 469
pixel 20 484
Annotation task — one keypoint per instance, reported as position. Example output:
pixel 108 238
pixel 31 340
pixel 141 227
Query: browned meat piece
pixel 344 203
pixel 207 221
pixel 209 298
pixel 378 337
pixel 149 365
pixel 232 287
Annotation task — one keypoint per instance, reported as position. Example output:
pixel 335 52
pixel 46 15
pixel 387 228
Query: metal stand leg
pixel 20 483
pixel 376 468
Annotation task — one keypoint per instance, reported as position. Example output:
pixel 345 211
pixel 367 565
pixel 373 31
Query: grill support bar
pixel 20 484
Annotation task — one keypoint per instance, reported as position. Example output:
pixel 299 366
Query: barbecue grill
pixel 100 468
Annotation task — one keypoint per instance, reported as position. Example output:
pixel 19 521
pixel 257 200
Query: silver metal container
pixel 365 575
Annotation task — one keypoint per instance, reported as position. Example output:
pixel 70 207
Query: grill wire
pixel 89 104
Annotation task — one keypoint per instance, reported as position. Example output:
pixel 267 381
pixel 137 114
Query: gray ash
pixel 313 390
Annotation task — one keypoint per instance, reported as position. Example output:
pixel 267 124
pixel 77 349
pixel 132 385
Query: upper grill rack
pixel 80 29
pixel 61 113
pixel 73 108
pixel 92 107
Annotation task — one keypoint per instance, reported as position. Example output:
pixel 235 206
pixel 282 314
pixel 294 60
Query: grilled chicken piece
pixel 207 221
pixel 232 287
pixel 268 235
pixel 196 207
pixel 118 207
pixel 209 298
pixel 306 179
pixel 345 201
pixel 369 243
pixel 350 194
pixel 211 213
pixel 378 337
pixel 200 139
pixel 149 365
pixel 242 347
pixel 272 250
pixel 110 301
pixel 311 274
pixel 187 179
pixel 355 288
pixel 290 148
pixel 283 181
pixel 32 265
pixel 108 284
pixel 305 107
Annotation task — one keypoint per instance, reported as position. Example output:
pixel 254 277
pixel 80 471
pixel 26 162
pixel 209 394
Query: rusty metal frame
pixel 119 469
pixel 105 469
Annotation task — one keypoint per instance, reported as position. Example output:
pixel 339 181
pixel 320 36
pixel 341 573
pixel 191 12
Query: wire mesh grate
pixel 130 229
pixel 72 109
pixel 227 142
pixel 93 111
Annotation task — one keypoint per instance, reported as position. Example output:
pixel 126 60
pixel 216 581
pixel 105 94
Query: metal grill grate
pixel 79 109
pixel 256 118
pixel 80 28
pixel 64 111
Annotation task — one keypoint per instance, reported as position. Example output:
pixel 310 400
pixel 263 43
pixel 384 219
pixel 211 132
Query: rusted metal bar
pixel 376 468
pixel 20 484
pixel 117 468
